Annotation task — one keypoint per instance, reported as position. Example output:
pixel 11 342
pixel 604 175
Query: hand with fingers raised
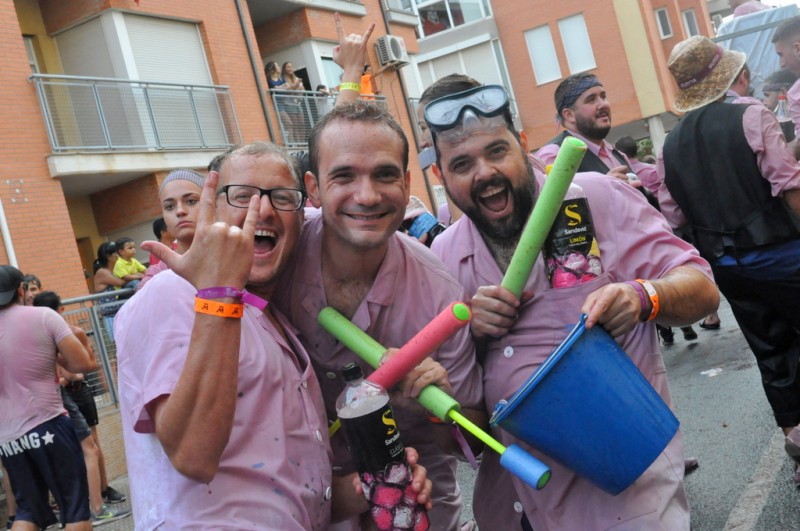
pixel 221 254
pixel 351 55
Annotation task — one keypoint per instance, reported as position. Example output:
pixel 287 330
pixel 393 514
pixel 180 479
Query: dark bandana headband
pixel 574 91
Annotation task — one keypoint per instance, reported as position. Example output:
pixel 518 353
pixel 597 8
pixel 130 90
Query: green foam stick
pixel 544 214
pixel 431 397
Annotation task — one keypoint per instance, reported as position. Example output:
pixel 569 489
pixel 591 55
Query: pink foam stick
pixel 431 337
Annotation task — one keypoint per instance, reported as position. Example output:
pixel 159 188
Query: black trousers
pixel 768 312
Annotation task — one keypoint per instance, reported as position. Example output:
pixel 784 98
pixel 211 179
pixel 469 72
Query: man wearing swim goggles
pixel 484 166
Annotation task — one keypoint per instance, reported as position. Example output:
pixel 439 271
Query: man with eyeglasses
pixel 482 161
pixel 222 414
pixel 353 259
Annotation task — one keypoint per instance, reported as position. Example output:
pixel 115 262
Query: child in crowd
pixel 128 267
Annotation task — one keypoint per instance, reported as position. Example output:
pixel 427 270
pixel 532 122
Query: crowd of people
pixel 227 384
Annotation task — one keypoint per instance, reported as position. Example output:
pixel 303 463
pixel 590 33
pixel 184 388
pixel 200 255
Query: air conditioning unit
pixel 391 51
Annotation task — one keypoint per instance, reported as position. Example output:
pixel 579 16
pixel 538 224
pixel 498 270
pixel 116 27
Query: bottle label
pixel 373 438
pixel 571 252
pixel 375 445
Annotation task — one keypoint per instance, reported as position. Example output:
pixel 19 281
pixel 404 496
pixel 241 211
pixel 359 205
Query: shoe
pixel 112 495
pixel 792 445
pixel 709 326
pixel 10 522
pixel 690 464
pixel 667 336
pixel 688 333
pixel 107 515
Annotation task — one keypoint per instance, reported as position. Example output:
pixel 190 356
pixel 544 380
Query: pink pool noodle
pixel 427 340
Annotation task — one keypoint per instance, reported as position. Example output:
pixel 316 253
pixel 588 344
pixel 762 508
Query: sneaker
pixel 688 333
pixel 107 515
pixel 112 495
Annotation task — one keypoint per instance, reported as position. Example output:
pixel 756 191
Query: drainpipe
pixel 256 66
pixel 411 116
pixel 12 257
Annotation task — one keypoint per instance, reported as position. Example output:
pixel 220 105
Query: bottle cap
pixel 352 372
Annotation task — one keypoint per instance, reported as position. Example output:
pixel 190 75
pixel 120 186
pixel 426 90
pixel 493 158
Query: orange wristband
pixel 220 309
pixel 653 294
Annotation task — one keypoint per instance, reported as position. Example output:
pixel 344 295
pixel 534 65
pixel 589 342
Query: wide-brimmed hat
pixel 10 280
pixel 703 70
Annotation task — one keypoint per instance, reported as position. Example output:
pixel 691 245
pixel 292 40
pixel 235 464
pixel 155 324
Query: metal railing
pixel 299 110
pixel 96 318
pixel 93 113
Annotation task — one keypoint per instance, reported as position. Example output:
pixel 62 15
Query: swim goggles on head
pixel 488 101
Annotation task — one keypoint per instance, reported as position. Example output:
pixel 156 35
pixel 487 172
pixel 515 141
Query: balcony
pixel 106 115
pixel 299 110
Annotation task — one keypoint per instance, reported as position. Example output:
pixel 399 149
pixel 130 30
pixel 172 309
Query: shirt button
pixel 518 507
pixel 319 436
pixel 330 375
pixel 304 383
pixel 508 351
pixel 328 493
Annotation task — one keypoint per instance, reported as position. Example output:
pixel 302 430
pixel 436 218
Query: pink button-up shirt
pixel 411 287
pixel 635 242
pixel 275 472
pixel 775 161
pixel 548 153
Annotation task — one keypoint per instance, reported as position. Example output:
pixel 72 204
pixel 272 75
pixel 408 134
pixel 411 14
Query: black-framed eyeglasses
pixel 288 199
pixel 487 101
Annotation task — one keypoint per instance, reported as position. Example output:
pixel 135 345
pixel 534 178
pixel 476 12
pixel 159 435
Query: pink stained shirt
pixel 635 242
pixel 275 471
pixel 548 153
pixel 411 287
pixel 29 390
pixel 775 161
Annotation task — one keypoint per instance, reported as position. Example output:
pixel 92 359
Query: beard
pixel 588 128
pixel 510 227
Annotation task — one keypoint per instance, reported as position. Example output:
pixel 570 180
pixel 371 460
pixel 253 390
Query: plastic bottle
pixel 784 118
pixel 374 441
pixel 571 251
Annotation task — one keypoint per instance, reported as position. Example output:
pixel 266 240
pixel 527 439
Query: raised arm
pixel 194 422
pixel 351 55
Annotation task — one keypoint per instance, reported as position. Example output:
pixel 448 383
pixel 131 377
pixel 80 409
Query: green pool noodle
pixel 431 397
pixel 544 214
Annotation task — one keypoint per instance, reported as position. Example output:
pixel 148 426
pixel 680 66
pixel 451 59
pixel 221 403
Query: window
pixel 690 23
pixel 439 15
pixel 664 27
pixel 577 45
pixel 543 55
pixel 400 5
pixel 331 72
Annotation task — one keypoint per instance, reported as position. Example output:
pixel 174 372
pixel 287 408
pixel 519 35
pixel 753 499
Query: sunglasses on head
pixel 487 101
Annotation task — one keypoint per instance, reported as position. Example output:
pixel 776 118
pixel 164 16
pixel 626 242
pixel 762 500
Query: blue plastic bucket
pixel 589 408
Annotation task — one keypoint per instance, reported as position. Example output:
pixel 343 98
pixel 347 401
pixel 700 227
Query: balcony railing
pixel 103 114
pixel 299 110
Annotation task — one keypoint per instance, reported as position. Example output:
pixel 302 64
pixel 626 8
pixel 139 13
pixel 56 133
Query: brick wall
pixel 34 203
pixel 126 204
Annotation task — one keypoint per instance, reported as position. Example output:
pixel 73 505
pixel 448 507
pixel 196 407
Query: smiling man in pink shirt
pixel 222 414
pixel 483 163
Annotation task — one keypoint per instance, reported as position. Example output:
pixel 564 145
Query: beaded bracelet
pixel 219 309
pixel 349 85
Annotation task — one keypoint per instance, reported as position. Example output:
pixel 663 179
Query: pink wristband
pixel 220 292
pixel 642 298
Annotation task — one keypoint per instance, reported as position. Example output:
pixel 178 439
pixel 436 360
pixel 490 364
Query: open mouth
pixel 264 241
pixel 494 198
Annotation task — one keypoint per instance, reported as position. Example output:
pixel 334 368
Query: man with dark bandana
pixel 582 108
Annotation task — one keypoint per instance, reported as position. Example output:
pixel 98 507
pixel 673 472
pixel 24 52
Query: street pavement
pixel 744 479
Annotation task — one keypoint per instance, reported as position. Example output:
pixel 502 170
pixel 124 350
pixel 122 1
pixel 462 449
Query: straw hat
pixel 703 70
